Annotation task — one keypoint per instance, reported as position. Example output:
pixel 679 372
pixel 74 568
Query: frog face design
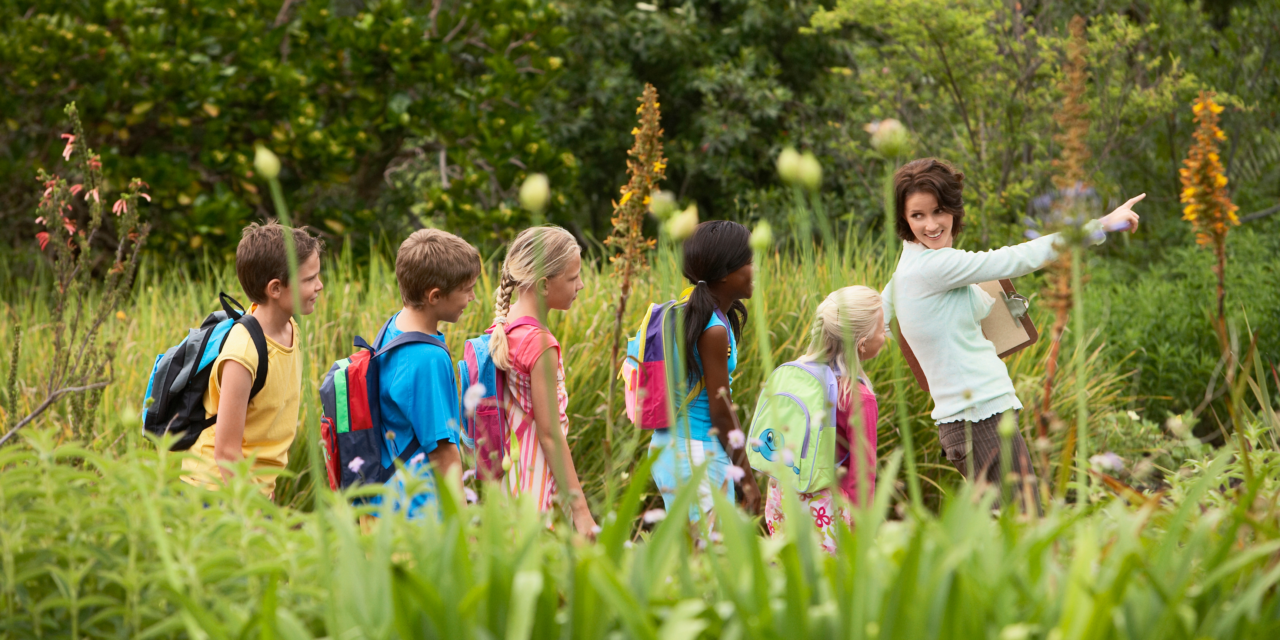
pixel 770 446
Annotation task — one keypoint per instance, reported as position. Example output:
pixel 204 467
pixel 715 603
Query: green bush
pixel 1161 313
pixel 348 94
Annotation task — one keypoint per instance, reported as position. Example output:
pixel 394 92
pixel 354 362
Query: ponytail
pixel 716 249
pixel 536 253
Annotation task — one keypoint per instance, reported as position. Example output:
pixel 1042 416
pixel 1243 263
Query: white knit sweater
pixel 934 295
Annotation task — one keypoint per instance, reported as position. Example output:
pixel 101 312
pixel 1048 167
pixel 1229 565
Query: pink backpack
pixel 487 431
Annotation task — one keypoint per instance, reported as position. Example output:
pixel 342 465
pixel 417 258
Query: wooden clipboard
pixel 1009 334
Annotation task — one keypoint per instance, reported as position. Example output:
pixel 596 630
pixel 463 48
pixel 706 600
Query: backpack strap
pixel 259 338
pixel 237 312
pixel 373 377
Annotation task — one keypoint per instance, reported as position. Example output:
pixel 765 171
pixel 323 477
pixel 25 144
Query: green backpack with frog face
pixel 793 434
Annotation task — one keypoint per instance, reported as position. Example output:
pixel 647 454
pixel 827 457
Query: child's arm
pixel 444 459
pixel 233 404
pixel 546 419
pixel 713 349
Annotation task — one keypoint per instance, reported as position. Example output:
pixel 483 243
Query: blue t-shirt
pixel 418 395
pixel 699 412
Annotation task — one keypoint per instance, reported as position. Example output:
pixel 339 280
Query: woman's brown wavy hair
pixel 928 175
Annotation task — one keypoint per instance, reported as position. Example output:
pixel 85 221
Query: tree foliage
pixel 350 94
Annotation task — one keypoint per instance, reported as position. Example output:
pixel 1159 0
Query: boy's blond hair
pixel 433 259
pixel 261 256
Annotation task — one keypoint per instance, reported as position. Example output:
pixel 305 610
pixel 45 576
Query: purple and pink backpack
pixel 650 369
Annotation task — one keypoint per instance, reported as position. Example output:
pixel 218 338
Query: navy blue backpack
pixel 174 404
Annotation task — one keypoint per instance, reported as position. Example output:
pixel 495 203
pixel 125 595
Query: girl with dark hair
pixel 939 307
pixel 717 262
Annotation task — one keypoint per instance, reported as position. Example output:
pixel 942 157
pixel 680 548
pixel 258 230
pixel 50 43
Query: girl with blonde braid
pixel 545 267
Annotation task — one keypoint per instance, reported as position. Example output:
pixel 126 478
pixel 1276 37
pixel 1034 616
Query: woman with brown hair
pixel 939 307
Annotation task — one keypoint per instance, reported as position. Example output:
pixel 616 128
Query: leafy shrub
pixel 347 93
pixel 1162 312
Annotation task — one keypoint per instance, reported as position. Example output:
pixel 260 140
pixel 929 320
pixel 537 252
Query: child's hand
pixel 1123 218
pixel 584 523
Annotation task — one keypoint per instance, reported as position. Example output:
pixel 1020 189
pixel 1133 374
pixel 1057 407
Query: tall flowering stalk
pixel 1072 119
pixel 1204 192
pixel 647 167
pixel 80 366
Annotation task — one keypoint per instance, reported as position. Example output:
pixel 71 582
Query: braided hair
pixel 538 252
pixel 716 249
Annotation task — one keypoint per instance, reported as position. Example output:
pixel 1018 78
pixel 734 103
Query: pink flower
pixel 95 162
pixel 417 459
pixel 820 516
pixel 119 207
pixel 655 515
pixel 93 192
pixel 355 464
pixel 66 153
pixel 40 220
pixel 735 473
pixel 145 196
pixel 737 439
pixel 468 474
pixel 472 498
pixel 43 237
pixel 77 188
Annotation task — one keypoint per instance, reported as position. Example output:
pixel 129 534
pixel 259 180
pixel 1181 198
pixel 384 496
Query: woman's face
pixel 929 223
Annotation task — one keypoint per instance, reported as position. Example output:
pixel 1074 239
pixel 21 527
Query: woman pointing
pixel 939 307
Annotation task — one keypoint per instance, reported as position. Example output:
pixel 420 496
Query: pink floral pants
pixel 823 510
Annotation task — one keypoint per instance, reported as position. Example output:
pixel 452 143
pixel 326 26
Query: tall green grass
pixel 360 295
pixel 96 545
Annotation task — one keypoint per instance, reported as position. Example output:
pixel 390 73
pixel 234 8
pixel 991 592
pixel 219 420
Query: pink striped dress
pixel 530 472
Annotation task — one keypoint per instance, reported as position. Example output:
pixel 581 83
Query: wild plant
pixel 91 281
pixel 647 168
pixel 1208 204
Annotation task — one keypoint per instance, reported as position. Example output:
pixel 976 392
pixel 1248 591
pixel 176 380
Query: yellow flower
pixel 1216 108
pixel 647 200
pixel 1199 106
pixel 1188 192
pixel 1213 157
pixel 635 130
pixel 659 166
pixel 625 197
pixel 1220 180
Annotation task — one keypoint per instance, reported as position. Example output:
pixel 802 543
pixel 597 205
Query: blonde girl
pixel 849 329
pixel 545 267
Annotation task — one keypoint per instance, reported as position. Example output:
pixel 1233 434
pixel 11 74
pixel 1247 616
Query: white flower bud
pixel 810 171
pixel 681 225
pixel 789 166
pixel 662 204
pixel 535 192
pixel 762 237
pixel 265 162
pixel 890 138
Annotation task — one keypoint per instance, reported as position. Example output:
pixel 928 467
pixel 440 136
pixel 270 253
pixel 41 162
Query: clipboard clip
pixel 1017 303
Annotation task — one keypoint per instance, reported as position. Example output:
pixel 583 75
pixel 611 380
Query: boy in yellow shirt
pixel 262 427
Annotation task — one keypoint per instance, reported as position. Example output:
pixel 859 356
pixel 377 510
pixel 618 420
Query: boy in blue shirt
pixel 418 392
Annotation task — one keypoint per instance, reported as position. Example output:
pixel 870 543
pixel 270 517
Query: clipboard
pixel 1008 326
